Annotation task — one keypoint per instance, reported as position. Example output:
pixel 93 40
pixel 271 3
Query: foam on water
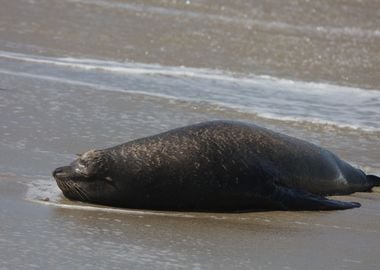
pixel 263 96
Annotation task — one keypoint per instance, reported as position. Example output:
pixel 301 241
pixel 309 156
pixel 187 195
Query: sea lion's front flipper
pixel 295 199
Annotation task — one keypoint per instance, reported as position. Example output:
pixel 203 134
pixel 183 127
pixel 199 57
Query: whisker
pixel 84 195
pixel 78 193
pixel 68 185
pixel 65 185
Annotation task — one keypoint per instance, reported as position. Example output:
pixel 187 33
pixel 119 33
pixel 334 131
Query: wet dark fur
pixel 214 166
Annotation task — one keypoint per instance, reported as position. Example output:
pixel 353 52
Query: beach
pixel 84 74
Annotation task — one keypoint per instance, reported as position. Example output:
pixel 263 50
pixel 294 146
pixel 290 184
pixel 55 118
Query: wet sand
pixel 42 236
pixel 49 112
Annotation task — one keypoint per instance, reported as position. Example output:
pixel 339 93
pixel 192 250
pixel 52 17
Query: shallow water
pixel 83 74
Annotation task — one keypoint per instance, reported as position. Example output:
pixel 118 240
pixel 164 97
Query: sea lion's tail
pixel 375 180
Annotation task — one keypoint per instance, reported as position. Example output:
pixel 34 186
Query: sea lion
pixel 214 166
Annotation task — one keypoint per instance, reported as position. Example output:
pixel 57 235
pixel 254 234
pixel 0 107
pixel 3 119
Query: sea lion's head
pixel 87 178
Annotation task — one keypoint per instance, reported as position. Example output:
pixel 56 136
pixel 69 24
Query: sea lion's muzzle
pixel 61 172
pixel 67 172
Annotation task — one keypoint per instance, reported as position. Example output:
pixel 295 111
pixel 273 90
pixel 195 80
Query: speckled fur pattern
pixel 214 166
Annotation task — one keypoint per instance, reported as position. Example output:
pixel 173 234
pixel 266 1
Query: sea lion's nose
pixel 57 171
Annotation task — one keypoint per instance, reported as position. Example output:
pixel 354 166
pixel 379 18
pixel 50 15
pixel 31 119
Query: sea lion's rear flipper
pixel 375 180
pixel 294 199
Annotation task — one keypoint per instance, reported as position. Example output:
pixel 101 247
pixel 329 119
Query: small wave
pixel 263 96
pixel 155 69
pixel 317 122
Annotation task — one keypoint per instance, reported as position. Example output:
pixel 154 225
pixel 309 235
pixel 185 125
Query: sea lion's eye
pixel 80 166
